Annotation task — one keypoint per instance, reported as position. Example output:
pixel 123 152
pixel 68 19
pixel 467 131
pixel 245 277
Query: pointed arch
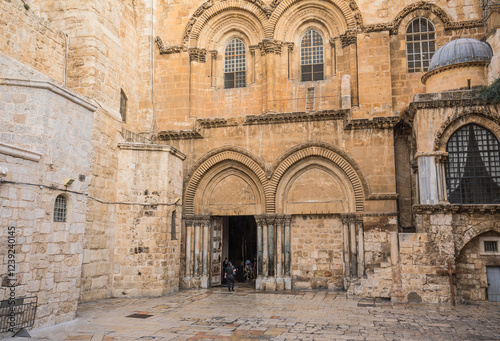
pixel 461 239
pixel 323 150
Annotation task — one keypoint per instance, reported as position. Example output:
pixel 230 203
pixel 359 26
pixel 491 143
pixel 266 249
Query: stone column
pixel 205 233
pixel 258 281
pixel 270 229
pixel 280 284
pixel 441 178
pixel 188 270
pixel 197 245
pixel 352 230
pixel 265 254
pixel 347 255
pixel 361 247
pixel 288 279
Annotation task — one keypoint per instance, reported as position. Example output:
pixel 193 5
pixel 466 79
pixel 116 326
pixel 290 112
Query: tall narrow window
pixel 235 65
pixel 311 57
pixel 473 166
pixel 123 105
pixel 420 44
pixel 60 209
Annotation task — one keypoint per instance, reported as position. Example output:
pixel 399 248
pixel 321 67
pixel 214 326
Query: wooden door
pixel 493 274
pixel 216 234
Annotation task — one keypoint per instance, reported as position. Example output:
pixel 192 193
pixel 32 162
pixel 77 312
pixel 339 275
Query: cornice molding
pixel 187 134
pixel 453 208
pixel 294 117
pixel 376 123
pixel 268 46
pixel 197 55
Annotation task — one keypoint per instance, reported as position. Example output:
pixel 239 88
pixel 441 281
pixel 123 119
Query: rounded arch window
pixel 473 166
pixel 420 44
pixel 60 209
pixel 235 64
pixel 312 62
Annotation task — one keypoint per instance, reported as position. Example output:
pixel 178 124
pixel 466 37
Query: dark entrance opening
pixel 240 241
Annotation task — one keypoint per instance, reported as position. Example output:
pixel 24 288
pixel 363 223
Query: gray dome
pixel 460 51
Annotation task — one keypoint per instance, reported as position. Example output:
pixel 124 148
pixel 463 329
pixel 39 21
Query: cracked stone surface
pixel 248 314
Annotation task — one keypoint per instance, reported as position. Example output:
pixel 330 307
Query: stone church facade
pixel 338 143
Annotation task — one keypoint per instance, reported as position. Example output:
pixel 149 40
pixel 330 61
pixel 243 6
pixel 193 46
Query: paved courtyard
pixel 247 314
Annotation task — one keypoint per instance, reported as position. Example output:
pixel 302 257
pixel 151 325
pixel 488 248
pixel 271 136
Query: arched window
pixel 234 65
pixel 60 209
pixel 311 57
pixel 420 44
pixel 473 166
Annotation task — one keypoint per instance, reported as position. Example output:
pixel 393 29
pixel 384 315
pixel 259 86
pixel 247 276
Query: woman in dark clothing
pixel 224 266
pixel 229 276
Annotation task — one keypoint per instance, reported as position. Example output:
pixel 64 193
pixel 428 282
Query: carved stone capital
pixel 213 53
pixel 290 46
pixel 348 38
pixel 270 46
pixel 197 55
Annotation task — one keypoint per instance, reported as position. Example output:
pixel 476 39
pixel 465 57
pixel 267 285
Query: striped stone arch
pixel 331 153
pixel 461 239
pixel 349 10
pixel 202 166
pixel 193 30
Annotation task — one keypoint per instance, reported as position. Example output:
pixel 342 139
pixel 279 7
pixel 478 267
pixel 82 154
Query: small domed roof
pixel 460 51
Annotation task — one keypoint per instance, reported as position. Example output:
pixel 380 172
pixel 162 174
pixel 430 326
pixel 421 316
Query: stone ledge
pixel 179 135
pixel 451 208
pixel 151 148
pixel 292 117
pixel 19 152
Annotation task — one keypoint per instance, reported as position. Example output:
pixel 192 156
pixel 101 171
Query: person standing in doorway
pixel 224 266
pixel 229 276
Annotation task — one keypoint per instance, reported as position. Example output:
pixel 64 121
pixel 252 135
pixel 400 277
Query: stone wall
pixel 45 131
pixel 32 40
pixel 147 252
pixel 317 252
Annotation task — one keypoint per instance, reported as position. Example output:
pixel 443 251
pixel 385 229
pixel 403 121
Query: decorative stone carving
pixel 348 38
pixel 170 49
pixel 376 123
pixel 289 45
pixel 270 46
pixel 197 55
pixel 325 115
pixel 179 135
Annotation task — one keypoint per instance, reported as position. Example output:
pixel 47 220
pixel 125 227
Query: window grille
pixel 473 166
pixel 490 246
pixel 235 65
pixel 311 57
pixel 420 44
pixel 60 209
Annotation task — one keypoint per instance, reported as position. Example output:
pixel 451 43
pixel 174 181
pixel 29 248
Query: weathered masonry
pixel 338 145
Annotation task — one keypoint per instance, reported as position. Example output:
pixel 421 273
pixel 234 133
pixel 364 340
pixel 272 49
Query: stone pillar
pixel 197 245
pixel 288 279
pixel 352 235
pixel 347 255
pixel 186 281
pixel 259 222
pixel 205 234
pixel 361 247
pixel 271 241
pixel 280 284
pixel 265 254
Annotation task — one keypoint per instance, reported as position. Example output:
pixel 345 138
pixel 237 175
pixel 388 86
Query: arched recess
pixel 314 185
pixel 213 18
pixel 325 17
pixel 473 231
pixel 250 165
pixel 420 9
pixel 229 188
pixel 340 162
pixel 482 118
pixel 346 14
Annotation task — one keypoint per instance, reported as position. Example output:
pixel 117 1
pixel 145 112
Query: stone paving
pixel 247 314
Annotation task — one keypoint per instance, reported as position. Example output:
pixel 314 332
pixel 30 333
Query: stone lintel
pixel 151 148
pixel 57 89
